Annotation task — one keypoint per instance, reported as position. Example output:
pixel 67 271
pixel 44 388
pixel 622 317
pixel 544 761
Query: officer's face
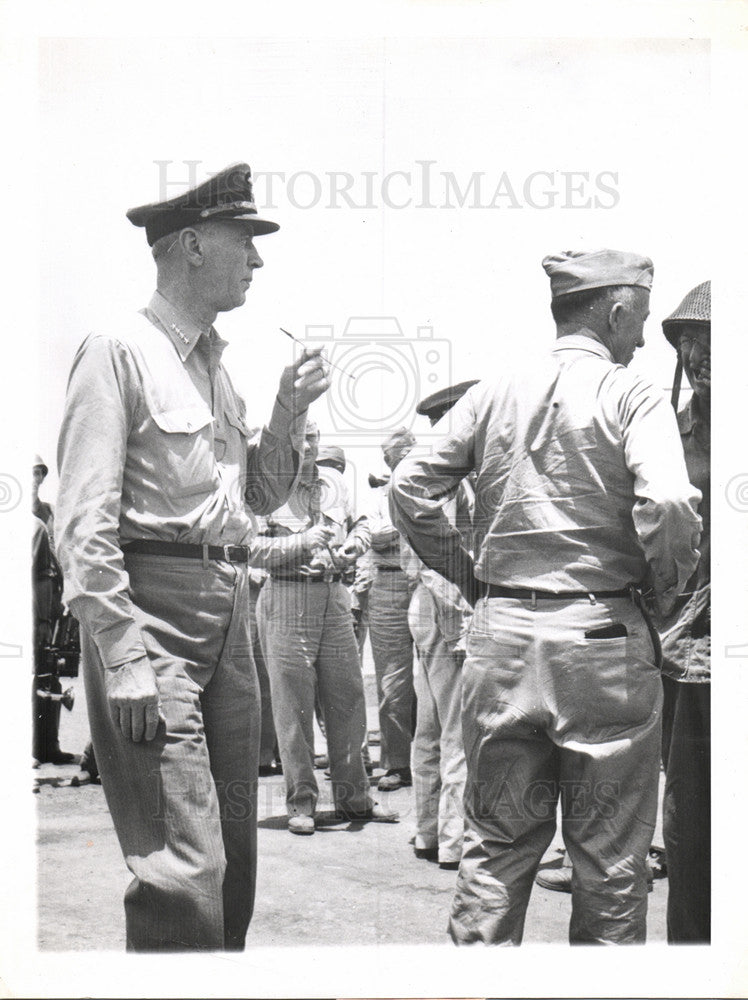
pixel 38 478
pixel 629 330
pixel 229 261
pixel 694 347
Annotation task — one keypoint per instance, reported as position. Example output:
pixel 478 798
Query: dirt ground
pixel 348 884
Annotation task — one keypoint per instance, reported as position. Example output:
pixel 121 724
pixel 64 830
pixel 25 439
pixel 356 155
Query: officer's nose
pixel 254 259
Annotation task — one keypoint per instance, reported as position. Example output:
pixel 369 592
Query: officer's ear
pixel 191 242
pixel 616 316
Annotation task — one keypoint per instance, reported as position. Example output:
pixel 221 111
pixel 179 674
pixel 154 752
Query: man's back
pixel 580 477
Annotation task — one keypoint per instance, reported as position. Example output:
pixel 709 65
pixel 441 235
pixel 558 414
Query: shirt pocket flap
pixel 239 423
pixel 186 420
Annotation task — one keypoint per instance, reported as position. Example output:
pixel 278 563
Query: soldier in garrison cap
pixel 306 630
pixel 159 483
pixel 582 498
pixel 686 645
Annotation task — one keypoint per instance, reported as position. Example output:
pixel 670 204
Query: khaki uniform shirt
pixel 154 445
pixel 581 481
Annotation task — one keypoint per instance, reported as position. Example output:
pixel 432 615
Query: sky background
pixel 98 94
pixel 522 113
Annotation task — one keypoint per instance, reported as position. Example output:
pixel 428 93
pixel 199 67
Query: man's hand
pixel 318 536
pixel 345 555
pixel 133 699
pixel 304 381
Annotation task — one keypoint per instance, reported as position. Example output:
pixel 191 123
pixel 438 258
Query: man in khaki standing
pixel 159 482
pixel 582 500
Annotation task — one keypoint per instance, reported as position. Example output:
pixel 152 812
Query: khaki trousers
pixel 184 805
pixel 306 630
pixel 550 714
pixel 438 755
pixel 392 649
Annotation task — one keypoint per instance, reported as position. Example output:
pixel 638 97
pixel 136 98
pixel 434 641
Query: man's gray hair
pixel 590 302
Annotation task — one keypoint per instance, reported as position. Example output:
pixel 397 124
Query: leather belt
pixel 521 594
pixel 388 569
pixel 298 578
pixel 221 553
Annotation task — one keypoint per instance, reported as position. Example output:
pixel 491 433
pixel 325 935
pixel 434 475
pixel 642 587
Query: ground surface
pixel 347 884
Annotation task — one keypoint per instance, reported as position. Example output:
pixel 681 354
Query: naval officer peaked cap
pixel 227 195
pixel 580 270
pixel 437 404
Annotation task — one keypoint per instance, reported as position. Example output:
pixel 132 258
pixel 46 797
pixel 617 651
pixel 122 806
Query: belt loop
pixel 205 556
pixel 534 600
pixel 592 598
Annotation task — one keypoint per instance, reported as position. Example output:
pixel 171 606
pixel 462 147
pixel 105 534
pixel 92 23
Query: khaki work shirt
pixel 581 481
pixel 154 445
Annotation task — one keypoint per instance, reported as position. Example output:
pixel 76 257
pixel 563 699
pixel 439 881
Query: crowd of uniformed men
pixel 545 567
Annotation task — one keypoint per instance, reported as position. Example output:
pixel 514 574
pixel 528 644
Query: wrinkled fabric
pixel 184 805
pixel 549 714
pixel 392 651
pixel 281 548
pixel 686 812
pixel 686 631
pixel 154 445
pixel 385 539
pixel 268 739
pixel 438 755
pixel 307 639
pixel 581 481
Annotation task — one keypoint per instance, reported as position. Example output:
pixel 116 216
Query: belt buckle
pixel 227 552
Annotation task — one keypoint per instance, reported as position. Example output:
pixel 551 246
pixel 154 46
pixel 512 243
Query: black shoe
pixel 426 853
pixel 61 757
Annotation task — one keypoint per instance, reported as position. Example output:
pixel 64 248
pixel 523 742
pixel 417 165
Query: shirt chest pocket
pixel 183 449
pixel 231 435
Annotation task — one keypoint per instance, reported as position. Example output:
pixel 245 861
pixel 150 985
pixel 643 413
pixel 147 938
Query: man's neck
pixel 702 410
pixel 184 298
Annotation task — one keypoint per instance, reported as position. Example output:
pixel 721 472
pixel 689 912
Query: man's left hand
pixel 304 381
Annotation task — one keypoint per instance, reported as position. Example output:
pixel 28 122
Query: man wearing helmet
pixel 686 652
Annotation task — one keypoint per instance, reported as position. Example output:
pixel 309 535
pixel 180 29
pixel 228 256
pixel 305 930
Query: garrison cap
pixel 401 437
pixel 226 195
pixel 436 405
pixel 580 270
pixel 331 454
pixel 695 308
